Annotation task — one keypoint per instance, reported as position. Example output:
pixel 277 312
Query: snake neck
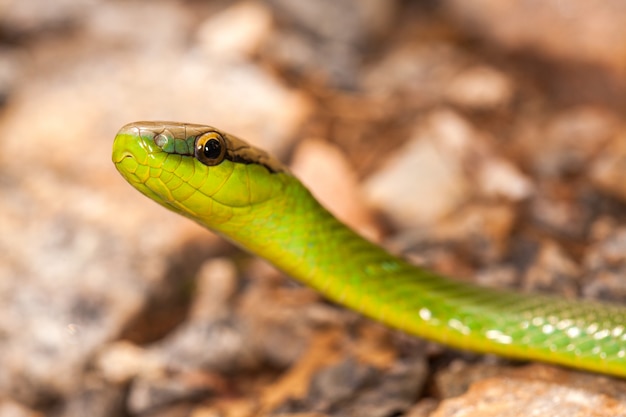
pixel 307 242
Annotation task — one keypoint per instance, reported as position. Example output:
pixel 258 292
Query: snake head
pixel 198 171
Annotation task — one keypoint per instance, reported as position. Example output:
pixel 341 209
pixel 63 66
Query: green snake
pixel 249 197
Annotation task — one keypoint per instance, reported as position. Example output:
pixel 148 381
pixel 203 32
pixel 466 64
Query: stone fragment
pixel 569 141
pixel 481 88
pixel 553 271
pixel 236 32
pixel 424 180
pixel 537 390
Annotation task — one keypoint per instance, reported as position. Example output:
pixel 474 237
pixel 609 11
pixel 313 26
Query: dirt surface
pixel 484 141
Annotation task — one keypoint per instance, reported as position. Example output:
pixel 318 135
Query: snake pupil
pixel 212 149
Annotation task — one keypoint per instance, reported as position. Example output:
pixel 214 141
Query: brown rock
pixel 569 141
pixel 538 390
pixel 553 271
pixel 481 230
pixel 424 180
pixel 481 88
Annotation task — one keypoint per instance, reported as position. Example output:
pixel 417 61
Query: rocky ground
pixel 482 139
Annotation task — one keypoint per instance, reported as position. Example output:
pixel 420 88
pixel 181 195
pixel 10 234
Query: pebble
pixel 570 141
pixel 499 178
pixel 563 209
pixel 537 390
pixel 481 88
pixel 553 271
pixel 422 182
pixel 430 175
pixel 121 361
pixel 237 32
pixel 480 230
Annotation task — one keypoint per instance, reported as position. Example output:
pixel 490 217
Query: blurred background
pixel 482 139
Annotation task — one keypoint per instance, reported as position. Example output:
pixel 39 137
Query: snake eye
pixel 210 148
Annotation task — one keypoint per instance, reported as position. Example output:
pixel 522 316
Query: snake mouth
pixel 118 157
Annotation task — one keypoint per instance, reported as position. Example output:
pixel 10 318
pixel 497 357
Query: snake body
pixel 247 196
